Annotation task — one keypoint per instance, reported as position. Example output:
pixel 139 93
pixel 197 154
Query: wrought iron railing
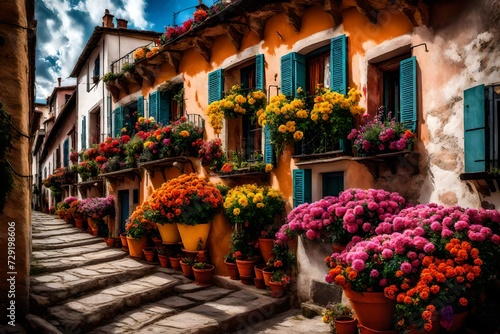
pixel 322 144
pixel 117 65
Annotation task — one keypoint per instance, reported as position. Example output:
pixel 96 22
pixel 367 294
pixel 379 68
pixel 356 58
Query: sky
pixel 64 27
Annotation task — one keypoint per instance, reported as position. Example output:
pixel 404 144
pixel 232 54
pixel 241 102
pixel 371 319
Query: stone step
pixel 73 240
pixel 237 311
pixel 51 265
pixel 98 308
pixel 66 252
pixel 52 288
pixel 53 232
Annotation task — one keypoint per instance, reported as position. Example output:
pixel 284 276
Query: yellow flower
pixel 151 119
pixel 282 128
pixel 258 198
pixel 140 119
pixel 260 205
pixel 184 133
pixel 243 201
pixel 236 211
pixel 269 168
pixel 299 90
pixel 314 117
pixel 147 143
pixel 298 135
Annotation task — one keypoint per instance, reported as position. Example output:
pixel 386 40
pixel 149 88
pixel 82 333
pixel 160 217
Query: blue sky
pixel 64 27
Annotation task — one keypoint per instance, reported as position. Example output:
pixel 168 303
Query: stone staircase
pixel 79 285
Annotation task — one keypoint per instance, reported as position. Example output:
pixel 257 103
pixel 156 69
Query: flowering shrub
pixel 211 154
pixel 140 53
pixel 200 15
pixel 253 207
pixel 356 212
pixel 187 199
pixel 87 169
pixel 146 124
pixel 63 207
pixel 98 207
pixel 74 208
pixel 235 103
pixel 377 136
pixel 112 154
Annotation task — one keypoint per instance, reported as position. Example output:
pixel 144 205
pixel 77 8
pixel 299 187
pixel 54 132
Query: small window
pixel 136 196
pixel 333 183
pixel 318 69
pixel 129 117
pixel 97 69
pixel 252 132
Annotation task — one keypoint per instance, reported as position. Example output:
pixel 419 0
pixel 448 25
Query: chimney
pixel 58 82
pixel 121 23
pixel 107 20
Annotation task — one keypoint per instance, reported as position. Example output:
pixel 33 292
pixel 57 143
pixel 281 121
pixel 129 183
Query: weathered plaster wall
pixel 14 79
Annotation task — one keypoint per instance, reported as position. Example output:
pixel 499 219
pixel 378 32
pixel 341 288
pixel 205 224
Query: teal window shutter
pixel 333 183
pixel 338 64
pixel 118 116
pixel 302 186
pixel 153 105
pixel 84 132
pixel 66 152
pixel 259 71
pixel 268 147
pixel 164 108
pixel 293 73
pixel 215 85
pixel 140 106
pixel 408 93
pixel 474 130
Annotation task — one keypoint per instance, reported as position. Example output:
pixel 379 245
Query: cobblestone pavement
pixel 79 285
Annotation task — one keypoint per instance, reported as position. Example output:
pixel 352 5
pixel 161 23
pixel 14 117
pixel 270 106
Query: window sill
pixel 317 160
pixel 405 162
pixel 160 165
pixel 85 185
pixel 120 175
pixel 484 182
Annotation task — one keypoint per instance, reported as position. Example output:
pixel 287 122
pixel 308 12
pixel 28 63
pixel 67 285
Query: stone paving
pixel 79 285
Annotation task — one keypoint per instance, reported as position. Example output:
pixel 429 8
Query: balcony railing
pixel 117 65
pixel 322 145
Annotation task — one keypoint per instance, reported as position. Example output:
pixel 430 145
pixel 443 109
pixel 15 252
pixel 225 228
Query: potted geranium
pixel 278 283
pixel 244 251
pixel 137 228
pixel 378 136
pixel 191 202
pixel 203 273
pixel 212 155
pixel 341 318
pixel 232 268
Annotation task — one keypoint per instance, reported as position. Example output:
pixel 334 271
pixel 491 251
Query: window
pixel 482 128
pixel 392 84
pixel 57 164
pixel 84 133
pixel 333 183
pixel 97 67
pixel 245 130
pixel 326 65
pixel 95 126
pixel 66 152
pixel 126 117
pixel 302 186
pixel 45 173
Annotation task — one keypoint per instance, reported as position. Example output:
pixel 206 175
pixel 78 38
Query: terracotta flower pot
pixel 149 253
pixel 258 270
pixel 245 268
pixel 187 269
pixel 123 238
pixel 157 241
pixel 277 289
pixel 204 276
pixel 110 242
pixel 232 268
pixel 367 330
pixel 266 248
pixel 175 262
pixel 78 223
pixel 135 246
pixel 259 283
pixel 458 322
pixel 346 325
pixel 267 273
pixel 338 248
pixel 169 233
pixel 163 260
pixel 372 309
pixel 95 229
pixel 194 237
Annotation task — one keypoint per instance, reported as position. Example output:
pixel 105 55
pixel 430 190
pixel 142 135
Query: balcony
pixel 321 148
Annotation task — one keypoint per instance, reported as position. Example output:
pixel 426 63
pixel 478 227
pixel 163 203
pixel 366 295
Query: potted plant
pixel 192 202
pixel 163 255
pixel 187 266
pixel 378 136
pixel 341 318
pixel 149 253
pixel 137 229
pixel 278 283
pixel 203 273
pixel 212 155
pixel 266 241
pixel 232 268
pixel 175 261
pixel 244 251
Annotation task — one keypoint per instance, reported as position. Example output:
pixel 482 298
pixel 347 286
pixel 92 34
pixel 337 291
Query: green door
pixel 123 198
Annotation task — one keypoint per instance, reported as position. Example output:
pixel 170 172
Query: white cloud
pixel 134 12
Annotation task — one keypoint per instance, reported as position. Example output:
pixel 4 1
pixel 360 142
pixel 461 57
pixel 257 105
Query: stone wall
pixel 16 95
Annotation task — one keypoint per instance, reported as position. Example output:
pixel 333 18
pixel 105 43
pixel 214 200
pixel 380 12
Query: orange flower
pixel 352 275
pixel 463 301
pixel 340 280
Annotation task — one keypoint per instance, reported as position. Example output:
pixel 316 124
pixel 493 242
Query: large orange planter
pixel 266 248
pixel 194 238
pixel 372 309
pixel 169 233
pixel 135 246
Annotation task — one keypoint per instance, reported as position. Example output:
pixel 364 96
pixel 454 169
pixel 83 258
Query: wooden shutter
pixel 66 152
pixel 268 147
pixel 408 93
pixel 215 85
pixel 293 73
pixel 164 108
pixel 302 190
pixel 108 116
pixel 338 64
pixel 118 115
pixel 153 105
pixel 259 71
pixel 84 132
pixel 474 130
pixel 140 106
